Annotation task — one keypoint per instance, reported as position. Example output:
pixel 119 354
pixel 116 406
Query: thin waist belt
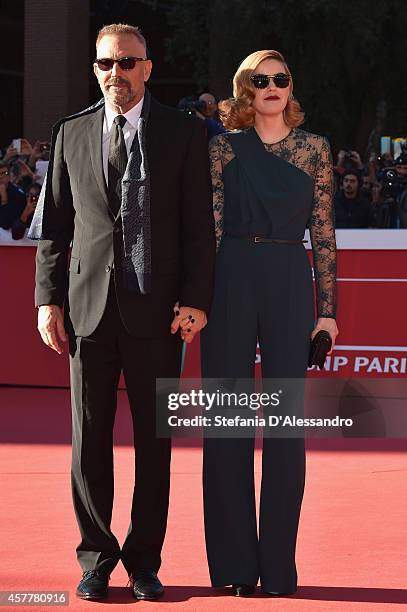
pixel 263 239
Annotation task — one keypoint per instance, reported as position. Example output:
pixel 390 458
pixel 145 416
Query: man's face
pixel 402 170
pixel 211 105
pixel 366 184
pixel 122 88
pixel 350 185
pixel 4 175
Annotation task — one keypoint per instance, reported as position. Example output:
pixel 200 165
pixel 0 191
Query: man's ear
pixel 148 66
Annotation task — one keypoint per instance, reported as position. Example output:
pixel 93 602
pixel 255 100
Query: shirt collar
pixel 132 115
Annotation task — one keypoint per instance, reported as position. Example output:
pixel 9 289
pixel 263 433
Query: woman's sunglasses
pixel 261 81
pixel 125 63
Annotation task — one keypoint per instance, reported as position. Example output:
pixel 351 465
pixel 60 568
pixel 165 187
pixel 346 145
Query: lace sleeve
pixel 215 156
pixel 322 234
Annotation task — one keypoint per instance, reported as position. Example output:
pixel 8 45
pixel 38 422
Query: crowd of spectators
pixel 367 195
pixel 22 172
pixel 372 194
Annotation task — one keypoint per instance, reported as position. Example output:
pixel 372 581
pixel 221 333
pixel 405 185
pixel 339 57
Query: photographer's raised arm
pixel 52 252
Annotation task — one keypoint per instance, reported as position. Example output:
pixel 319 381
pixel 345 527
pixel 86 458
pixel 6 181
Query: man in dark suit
pixel 129 183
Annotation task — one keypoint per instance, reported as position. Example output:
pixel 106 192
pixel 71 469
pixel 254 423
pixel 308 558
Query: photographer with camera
pixel 391 208
pixel 210 108
pixel 204 108
pixel 12 198
pixel 20 225
pixel 352 208
pixel 27 163
pixel 348 160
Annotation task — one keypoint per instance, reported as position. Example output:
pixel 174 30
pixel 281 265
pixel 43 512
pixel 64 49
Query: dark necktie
pixel 116 164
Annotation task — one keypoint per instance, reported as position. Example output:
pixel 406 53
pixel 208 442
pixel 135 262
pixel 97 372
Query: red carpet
pixel 351 545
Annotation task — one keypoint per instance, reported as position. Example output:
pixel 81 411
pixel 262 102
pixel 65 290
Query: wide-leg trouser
pixel 96 363
pixel 262 291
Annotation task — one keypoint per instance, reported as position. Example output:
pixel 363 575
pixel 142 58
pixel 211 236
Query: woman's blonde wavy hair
pixel 238 113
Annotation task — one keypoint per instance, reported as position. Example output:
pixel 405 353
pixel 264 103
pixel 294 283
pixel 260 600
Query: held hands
pixel 328 325
pixel 51 326
pixel 189 320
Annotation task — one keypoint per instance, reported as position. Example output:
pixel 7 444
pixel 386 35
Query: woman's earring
pixel 291 97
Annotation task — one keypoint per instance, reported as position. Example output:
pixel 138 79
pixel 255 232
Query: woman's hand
pixel 26 148
pixel 329 325
pixel 188 320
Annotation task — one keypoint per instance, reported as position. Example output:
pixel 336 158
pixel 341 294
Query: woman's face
pixel 271 100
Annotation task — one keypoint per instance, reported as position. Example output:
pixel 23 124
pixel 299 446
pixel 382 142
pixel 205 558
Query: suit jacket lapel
pixel 95 130
pixel 155 136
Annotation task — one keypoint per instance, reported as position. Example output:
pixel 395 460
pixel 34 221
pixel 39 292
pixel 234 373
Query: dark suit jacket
pixel 182 226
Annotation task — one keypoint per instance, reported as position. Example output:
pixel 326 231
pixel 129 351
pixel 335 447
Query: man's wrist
pixel 53 305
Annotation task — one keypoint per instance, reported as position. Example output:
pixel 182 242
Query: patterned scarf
pixel 135 210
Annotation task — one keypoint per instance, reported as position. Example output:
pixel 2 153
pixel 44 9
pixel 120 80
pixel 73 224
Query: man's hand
pixel 356 158
pixel 189 320
pixel 10 153
pixel 26 148
pixel 28 210
pixel 341 157
pixel 51 326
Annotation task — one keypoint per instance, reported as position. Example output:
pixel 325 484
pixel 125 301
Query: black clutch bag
pixel 320 345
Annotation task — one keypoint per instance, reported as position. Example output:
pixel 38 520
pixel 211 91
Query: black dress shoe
pixel 93 585
pixel 243 590
pixel 145 585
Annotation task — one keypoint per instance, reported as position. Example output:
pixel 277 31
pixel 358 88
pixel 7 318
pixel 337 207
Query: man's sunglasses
pixel 125 63
pixel 261 81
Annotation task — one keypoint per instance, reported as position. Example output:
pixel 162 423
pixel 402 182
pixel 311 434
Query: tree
pixel 347 58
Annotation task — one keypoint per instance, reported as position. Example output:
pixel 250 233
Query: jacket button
pixel 108 268
pixel 117 230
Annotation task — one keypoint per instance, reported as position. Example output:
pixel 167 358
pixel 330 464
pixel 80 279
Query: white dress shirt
pixel 129 131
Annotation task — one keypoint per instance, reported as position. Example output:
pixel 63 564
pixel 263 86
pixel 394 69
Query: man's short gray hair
pixel 121 28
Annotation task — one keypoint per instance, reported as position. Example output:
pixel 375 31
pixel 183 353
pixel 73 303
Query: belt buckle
pixel 257 238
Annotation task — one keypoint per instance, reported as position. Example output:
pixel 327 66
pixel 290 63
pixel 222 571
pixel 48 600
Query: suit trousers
pixel 262 292
pixel 96 363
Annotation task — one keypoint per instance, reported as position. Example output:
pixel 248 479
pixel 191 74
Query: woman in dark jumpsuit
pixel 264 291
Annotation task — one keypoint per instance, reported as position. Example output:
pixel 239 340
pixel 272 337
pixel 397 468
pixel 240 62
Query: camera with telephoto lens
pixel 392 190
pixel 190 106
pixel 389 182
